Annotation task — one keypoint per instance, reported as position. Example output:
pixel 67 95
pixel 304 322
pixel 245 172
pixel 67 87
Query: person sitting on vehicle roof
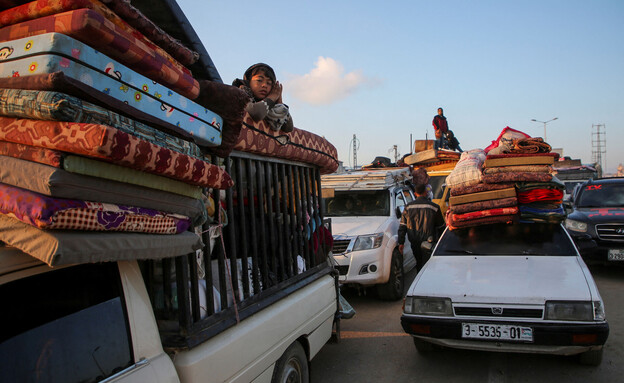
pixel 265 92
pixel 445 138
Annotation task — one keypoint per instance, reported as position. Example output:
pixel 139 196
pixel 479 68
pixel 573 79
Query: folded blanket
pixel 483 205
pixel 516 177
pixel 505 211
pixel 57 213
pixel 540 195
pixel 467 172
pixel 535 213
pixel 555 183
pixel 481 221
pixel 529 145
pixel 519 168
pixel 112 145
pixel 57 106
pixel 478 188
pixel 511 155
pixel 31 153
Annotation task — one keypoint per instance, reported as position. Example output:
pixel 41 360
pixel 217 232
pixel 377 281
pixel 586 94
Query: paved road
pixel 374 348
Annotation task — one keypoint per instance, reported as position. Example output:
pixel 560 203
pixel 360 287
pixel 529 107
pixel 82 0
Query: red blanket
pixel 540 195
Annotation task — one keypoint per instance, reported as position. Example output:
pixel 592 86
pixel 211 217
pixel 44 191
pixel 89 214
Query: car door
pixel 74 316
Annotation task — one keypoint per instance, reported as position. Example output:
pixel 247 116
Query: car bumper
pixel 548 338
pixel 364 267
pixel 601 253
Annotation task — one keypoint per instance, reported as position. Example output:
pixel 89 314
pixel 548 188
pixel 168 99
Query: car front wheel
pixel 591 358
pixel 393 289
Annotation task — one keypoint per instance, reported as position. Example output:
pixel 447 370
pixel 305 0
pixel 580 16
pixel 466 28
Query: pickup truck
pixel 247 296
pixel 365 208
pixel 109 307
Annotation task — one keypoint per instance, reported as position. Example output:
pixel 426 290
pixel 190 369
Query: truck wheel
pixel 292 366
pixel 591 358
pixel 393 289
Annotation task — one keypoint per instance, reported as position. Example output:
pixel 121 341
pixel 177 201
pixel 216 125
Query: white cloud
pixel 325 83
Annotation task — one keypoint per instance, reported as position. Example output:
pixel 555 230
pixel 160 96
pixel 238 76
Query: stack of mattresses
pixel 298 145
pixel 99 130
pixel 517 185
pixel 529 164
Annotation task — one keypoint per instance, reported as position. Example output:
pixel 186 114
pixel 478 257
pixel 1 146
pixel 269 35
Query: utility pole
pixel 599 145
pixel 354 151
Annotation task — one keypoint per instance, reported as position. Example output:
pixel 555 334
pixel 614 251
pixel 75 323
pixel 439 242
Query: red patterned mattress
pixel 112 145
pixel 93 29
pixel 123 15
pixel 298 145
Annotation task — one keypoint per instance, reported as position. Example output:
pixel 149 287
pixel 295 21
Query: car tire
pixel 591 358
pixel 292 366
pixel 393 289
pixel 422 346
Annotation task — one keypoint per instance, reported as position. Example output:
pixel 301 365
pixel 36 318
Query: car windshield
pixel 601 195
pixel 358 203
pixel 502 239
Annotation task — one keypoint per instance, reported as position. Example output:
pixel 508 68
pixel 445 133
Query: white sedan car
pixel 511 288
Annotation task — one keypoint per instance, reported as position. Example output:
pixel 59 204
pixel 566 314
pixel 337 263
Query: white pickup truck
pixel 365 208
pixel 87 307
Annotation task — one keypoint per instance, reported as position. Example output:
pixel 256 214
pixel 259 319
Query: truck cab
pixel 365 208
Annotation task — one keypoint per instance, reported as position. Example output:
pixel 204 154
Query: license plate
pixel 495 331
pixel 615 255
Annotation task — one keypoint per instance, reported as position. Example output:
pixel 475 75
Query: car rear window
pixel 501 239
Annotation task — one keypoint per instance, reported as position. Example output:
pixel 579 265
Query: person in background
pixel 420 176
pixel 265 94
pixel 445 139
pixel 421 219
pixel 440 125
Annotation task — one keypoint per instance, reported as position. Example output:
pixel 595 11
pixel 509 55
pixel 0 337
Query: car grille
pixel 340 246
pixel 610 232
pixel 506 312
pixel 342 270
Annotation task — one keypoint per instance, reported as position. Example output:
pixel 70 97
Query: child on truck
pixel 265 92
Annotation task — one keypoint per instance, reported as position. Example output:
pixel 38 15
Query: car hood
pixel 598 214
pixel 352 226
pixel 502 279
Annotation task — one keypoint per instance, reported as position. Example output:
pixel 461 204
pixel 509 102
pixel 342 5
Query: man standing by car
pixel 420 220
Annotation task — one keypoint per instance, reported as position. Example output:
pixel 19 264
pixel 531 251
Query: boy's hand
pixel 276 93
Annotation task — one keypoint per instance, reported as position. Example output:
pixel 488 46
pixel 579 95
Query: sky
pixel 380 69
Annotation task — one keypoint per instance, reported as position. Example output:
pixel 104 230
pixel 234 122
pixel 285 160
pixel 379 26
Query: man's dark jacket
pixel 421 219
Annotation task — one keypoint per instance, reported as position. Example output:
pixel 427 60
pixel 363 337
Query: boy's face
pixel 260 85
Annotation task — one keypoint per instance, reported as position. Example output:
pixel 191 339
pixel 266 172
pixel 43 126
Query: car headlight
pixel 428 306
pixel 599 312
pixel 367 242
pixel 574 311
pixel 573 225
